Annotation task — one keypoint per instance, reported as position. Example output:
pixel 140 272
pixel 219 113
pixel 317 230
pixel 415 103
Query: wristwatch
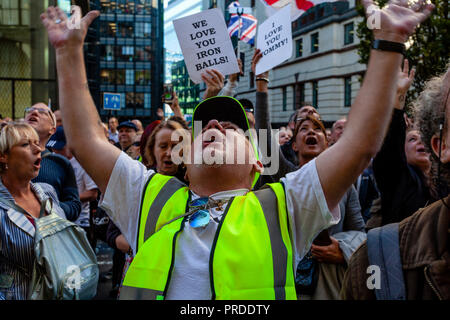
pixel 385 45
pixel 262 79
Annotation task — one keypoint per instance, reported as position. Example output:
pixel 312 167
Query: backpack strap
pixel 384 251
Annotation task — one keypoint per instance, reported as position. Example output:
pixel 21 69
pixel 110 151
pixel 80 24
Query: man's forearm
pixel 82 124
pixel 367 125
pixel 79 110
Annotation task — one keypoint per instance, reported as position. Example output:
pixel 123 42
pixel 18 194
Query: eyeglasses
pixel 137 144
pixel 40 110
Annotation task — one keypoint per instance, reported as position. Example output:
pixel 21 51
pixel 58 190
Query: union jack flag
pixel 248 25
pixel 297 9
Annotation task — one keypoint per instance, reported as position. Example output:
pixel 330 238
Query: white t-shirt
pixel 84 183
pixel 306 204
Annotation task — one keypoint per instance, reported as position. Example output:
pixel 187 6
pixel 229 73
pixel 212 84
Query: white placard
pixel 205 44
pixel 274 39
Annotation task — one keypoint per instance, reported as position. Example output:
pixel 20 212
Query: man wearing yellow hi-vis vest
pixel 216 239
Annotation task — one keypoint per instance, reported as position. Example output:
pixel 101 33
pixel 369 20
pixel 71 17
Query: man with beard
pixel 424 237
pixel 216 239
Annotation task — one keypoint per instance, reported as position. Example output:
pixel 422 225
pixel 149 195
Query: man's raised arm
pixel 339 166
pixel 82 124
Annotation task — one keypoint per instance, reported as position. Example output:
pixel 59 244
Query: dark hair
pixel 246 103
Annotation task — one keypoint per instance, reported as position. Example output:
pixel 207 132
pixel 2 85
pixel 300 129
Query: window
pixel 120 76
pixel 107 76
pixel 129 100
pixel 107 52
pixel 314 42
pixel 347 91
pixel 129 77
pixel 124 53
pixel 299 95
pixel 252 79
pixel 142 77
pixel 315 94
pixel 108 29
pixel 107 7
pixel 299 48
pixel 284 92
pixel 9 13
pixel 139 100
pixel 212 4
pixel 142 30
pixel 125 29
pixel 348 33
pixel 147 100
pixel 143 53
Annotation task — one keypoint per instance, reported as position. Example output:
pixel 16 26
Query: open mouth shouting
pixel 37 163
pixel 311 141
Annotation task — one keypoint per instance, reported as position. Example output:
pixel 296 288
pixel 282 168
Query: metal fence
pixel 16 94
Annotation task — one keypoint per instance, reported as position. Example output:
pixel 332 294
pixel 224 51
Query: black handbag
pixel 307 275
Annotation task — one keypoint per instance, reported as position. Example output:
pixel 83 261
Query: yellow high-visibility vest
pixel 251 256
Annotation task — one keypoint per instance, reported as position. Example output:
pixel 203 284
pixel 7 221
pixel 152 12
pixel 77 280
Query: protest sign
pixel 205 44
pixel 274 39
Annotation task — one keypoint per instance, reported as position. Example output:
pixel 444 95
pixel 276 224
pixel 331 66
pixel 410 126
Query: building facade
pixel 127 48
pixel 27 61
pixel 323 69
pixel 187 91
pixel 175 9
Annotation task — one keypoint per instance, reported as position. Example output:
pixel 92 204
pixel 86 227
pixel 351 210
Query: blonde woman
pixel 20 158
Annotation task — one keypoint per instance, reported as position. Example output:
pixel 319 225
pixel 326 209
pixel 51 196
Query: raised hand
pixel 404 80
pixel 405 77
pixel 261 85
pixel 398 19
pixel 233 77
pixel 257 55
pixel 175 106
pixel 61 33
pixel 214 80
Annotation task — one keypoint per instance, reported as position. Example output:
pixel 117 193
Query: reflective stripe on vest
pixel 263 268
pixel 147 276
pixel 155 203
pixel 268 203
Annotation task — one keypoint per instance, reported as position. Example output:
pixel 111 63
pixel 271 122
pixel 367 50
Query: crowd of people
pixel 231 229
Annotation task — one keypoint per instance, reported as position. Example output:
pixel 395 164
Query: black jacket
pixel 401 186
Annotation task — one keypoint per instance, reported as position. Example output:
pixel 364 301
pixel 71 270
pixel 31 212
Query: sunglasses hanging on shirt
pixel 198 214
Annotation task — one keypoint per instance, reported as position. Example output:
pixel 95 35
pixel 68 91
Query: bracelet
pixel 389 46
pixel 262 79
